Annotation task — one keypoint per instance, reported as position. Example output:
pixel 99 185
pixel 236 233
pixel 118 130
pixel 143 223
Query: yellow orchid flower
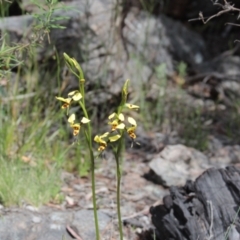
pixel 131 106
pixel 72 119
pixel 112 115
pixel 132 121
pixel 117 123
pixel 85 120
pixel 75 95
pixel 120 126
pixel 76 126
pixel 131 130
pixel 121 117
pixel 72 96
pixel 67 102
pixel 114 138
pixel 114 124
pixel 102 143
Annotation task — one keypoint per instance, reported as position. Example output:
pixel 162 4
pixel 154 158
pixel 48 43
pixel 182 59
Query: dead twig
pixel 233 24
pixel 226 7
pixel 73 232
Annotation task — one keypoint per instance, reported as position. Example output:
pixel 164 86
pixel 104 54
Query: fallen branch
pixel 73 233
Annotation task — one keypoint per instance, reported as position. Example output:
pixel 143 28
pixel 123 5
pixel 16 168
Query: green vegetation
pixel 32 147
pixel 22 183
pixel 29 146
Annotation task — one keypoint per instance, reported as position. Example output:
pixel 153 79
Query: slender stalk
pixel 119 174
pixel 94 194
pixel 88 134
pixel 73 65
pixel 85 112
pixel 118 154
pixel 82 90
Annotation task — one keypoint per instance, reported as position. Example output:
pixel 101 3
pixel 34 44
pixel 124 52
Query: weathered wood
pixel 205 209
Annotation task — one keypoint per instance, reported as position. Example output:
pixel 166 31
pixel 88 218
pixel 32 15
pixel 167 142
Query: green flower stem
pixel 93 186
pixel 73 65
pixel 88 134
pixel 84 111
pixel 118 198
pixel 82 90
pixel 81 75
pixel 117 154
pixel 94 195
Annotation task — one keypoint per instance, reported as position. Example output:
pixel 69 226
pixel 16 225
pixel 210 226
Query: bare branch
pixel 226 7
pixel 233 24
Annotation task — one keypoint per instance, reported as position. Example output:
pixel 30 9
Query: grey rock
pixel 182 46
pixel 26 225
pixel 225 156
pixel 84 222
pixel 178 163
pixel 225 67
pixel 96 42
pixel 36 219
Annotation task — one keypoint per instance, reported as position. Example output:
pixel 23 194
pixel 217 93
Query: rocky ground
pixel 146 178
